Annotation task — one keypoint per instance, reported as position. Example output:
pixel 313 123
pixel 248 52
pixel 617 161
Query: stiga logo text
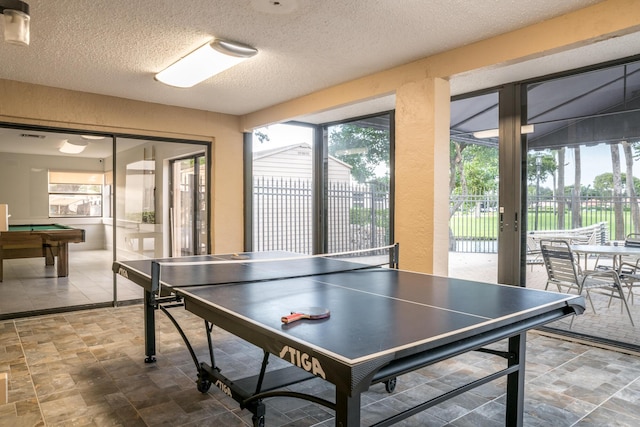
pixel 302 360
pixel 123 273
pixel 225 388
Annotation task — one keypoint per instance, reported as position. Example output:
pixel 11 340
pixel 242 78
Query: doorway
pixel 188 210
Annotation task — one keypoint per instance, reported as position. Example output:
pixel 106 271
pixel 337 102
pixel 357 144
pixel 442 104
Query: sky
pixel 595 160
pixel 283 135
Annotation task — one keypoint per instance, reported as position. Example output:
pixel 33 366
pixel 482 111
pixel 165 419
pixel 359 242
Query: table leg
pixel 347 409
pixel 515 380
pixel 49 258
pixel 63 259
pixel 149 327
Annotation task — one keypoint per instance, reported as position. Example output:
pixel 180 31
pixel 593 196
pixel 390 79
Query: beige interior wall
pixel 422 142
pixel 28 104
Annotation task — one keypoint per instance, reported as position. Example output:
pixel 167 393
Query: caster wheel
pixel 203 385
pixel 390 385
pixel 258 421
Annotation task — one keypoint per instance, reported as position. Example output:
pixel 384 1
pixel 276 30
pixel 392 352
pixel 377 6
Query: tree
pixel 262 135
pixel 457 181
pixel 631 186
pixel 474 169
pixel 548 166
pixel 617 191
pixel 481 169
pixel 363 148
pixel 576 212
pixel 560 188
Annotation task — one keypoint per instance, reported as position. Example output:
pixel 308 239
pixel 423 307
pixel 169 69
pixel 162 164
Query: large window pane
pixel 189 206
pixel 283 189
pixel 473 188
pixel 358 179
pixel 583 186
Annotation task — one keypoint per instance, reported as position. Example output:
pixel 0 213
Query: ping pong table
pixel 384 322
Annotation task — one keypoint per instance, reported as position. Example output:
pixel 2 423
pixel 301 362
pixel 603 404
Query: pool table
pixel 39 240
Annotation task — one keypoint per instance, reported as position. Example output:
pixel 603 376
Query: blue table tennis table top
pixel 375 312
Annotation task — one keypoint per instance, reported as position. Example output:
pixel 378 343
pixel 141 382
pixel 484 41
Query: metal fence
pixel 473 227
pixel 358 215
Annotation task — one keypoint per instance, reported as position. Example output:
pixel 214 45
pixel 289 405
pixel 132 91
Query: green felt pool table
pixel 39 240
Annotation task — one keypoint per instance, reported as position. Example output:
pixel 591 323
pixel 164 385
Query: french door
pixel 188 211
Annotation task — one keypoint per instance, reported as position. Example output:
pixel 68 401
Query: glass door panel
pixel 145 211
pixel 188 211
pixel 473 188
pixel 46 189
pixel 583 143
pixel 358 184
pixel 283 189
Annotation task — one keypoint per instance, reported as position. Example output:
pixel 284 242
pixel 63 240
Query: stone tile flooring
pixel 86 368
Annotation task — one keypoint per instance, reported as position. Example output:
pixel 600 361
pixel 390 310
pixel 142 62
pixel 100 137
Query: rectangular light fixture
pixel 493 133
pixel 204 62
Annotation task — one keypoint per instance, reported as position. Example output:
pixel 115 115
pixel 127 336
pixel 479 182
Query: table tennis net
pixel 266 266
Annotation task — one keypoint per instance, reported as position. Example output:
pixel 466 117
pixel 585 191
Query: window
pixel 75 194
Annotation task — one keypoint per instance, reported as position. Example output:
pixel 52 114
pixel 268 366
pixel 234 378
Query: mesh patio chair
pixel 534 256
pixel 565 273
pixel 629 266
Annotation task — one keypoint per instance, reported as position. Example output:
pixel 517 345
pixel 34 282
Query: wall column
pixel 422 175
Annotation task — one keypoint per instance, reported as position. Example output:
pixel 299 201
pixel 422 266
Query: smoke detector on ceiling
pixel 276 7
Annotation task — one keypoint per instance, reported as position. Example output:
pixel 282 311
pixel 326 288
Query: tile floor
pixel 86 368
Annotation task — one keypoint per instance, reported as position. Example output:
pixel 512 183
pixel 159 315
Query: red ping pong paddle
pixel 312 313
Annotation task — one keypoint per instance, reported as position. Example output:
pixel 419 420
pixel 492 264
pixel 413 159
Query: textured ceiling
pixel 115 47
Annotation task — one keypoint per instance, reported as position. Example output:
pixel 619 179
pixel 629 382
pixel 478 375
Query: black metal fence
pixel 358 215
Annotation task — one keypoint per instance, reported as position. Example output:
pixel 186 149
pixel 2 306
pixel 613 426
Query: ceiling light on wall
pixel 73 147
pixel 16 21
pixel 204 62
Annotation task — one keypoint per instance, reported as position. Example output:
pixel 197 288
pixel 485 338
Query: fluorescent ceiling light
pixel 75 147
pixel 526 129
pixel 16 21
pixel 489 133
pixel 92 137
pixel 493 133
pixel 204 62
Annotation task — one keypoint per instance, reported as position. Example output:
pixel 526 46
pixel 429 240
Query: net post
pixel 394 256
pixel 155 277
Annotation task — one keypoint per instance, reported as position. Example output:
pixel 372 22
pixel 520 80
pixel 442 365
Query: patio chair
pixel 629 267
pixel 564 272
pixel 534 256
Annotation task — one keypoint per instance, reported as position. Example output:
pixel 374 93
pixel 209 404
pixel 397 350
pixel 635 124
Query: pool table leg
pixel 49 256
pixel 63 259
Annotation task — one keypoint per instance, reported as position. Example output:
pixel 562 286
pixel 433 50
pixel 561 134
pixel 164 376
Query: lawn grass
pixel 484 225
